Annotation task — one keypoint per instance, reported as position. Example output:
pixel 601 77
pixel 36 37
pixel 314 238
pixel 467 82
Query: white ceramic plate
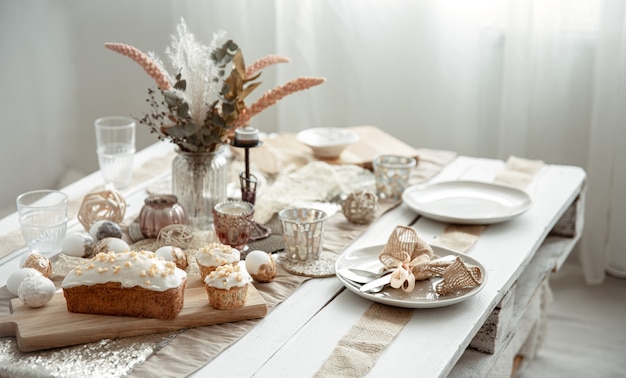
pixel 467 202
pixel 424 294
pixel 327 142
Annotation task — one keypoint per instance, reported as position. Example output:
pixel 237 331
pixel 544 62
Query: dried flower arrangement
pixel 204 102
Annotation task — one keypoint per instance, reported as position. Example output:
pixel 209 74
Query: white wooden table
pixel 300 333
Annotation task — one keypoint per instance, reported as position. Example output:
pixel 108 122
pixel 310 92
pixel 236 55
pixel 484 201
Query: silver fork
pixel 359 275
pixel 358 286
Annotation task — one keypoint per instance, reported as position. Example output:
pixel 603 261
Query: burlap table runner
pixel 184 351
pixel 358 350
pixel 202 344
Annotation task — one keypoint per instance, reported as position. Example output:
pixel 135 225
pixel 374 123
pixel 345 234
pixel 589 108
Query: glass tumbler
pixel 115 139
pixel 43 219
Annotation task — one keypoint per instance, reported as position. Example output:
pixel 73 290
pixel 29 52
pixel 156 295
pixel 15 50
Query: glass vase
pixel 199 182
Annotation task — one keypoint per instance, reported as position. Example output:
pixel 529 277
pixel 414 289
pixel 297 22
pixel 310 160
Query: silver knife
pixel 384 280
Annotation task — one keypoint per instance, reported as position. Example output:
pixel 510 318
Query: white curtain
pixel 542 79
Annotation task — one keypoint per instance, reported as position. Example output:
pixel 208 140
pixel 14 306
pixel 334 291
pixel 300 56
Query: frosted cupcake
pixel 227 286
pixel 214 255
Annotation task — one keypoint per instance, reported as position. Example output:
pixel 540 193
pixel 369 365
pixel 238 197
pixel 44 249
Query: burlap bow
pixel 413 259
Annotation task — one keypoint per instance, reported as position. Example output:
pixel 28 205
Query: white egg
pixel 36 291
pixel 261 266
pixel 79 244
pixel 111 245
pixel 165 252
pixel 16 278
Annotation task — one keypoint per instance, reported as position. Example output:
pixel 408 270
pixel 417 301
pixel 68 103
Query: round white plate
pixel 424 294
pixel 467 202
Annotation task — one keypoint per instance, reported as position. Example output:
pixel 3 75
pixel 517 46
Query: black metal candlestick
pixel 246 138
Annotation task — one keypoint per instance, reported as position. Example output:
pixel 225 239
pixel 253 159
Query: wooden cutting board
pixel 52 326
pixel 372 142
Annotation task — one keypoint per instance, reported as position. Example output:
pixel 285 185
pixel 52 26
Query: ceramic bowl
pixel 327 142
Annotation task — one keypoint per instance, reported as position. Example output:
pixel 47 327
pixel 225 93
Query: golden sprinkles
pixel 215 249
pixel 105 263
pixel 227 276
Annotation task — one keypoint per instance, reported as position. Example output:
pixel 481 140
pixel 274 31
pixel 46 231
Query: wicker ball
pixel 105 205
pixel 360 207
pixel 178 235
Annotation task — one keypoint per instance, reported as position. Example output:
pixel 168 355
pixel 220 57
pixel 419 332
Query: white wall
pixel 57 78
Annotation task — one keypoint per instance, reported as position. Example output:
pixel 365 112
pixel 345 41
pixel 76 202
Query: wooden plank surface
pixel 53 326
pixel 280 150
pixel 373 141
pixel 441 334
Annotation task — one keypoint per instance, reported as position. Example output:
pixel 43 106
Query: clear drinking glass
pixel 115 139
pixel 43 219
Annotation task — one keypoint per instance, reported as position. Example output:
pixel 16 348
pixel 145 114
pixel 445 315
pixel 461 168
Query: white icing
pixel 216 254
pixel 228 276
pixel 130 268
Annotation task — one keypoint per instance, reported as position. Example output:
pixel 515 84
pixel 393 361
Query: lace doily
pixel 315 182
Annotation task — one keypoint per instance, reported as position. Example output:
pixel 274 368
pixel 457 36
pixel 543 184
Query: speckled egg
pixel 16 278
pixel 105 229
pixel 38 262
pixel 175 254
pixel 110 245
pixel 78 244
pixel 261 266
pixel 36 291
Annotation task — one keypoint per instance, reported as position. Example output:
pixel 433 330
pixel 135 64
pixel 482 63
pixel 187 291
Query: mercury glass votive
pixel 159 211
pixel 303 233
pixel 392 173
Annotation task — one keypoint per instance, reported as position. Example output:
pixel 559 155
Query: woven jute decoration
pixel 459 276
pixel 360 207
pixel 105 205
pixel 413 259
pixel 404 246
pixel 178 235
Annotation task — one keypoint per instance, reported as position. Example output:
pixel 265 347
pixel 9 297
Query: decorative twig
pixel 273 96
pixel 144 61
pixel 264 62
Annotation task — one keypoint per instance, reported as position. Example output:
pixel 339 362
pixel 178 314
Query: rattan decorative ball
pixel 178 235
pixel 360 207
pixel 105 205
